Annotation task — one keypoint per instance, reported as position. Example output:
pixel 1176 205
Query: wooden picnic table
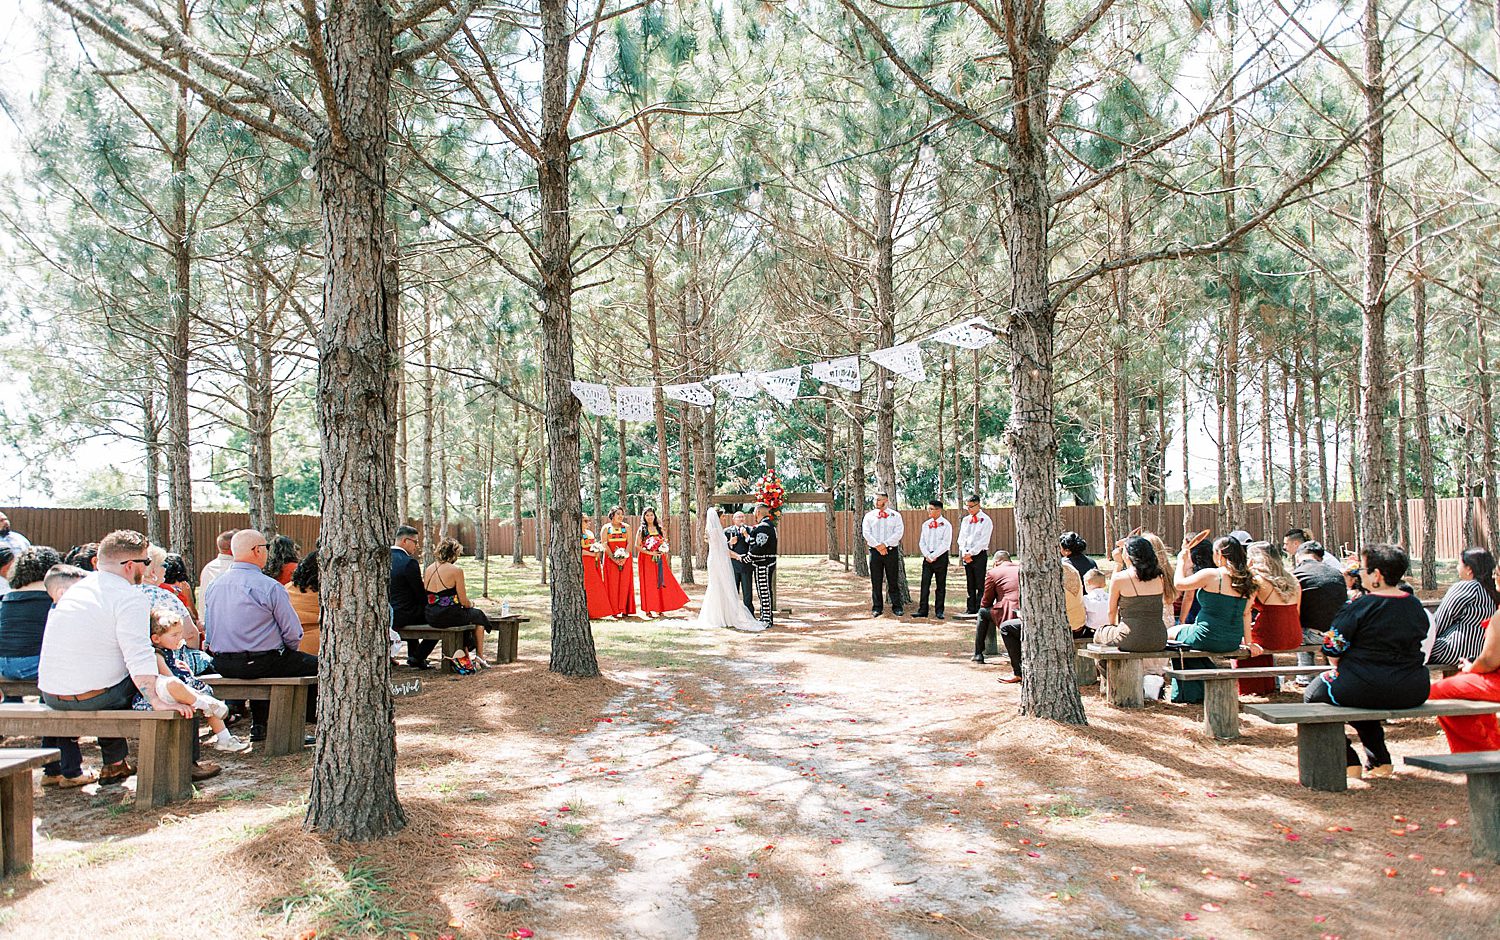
pixel 16 765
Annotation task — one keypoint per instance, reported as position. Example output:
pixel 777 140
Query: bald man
pixel 252 627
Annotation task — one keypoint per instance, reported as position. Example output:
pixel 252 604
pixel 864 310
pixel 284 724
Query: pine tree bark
pixel 259 396
pixel 885 336
pixel 1374 377
pixel 1187 483
pixel 1487 421
pixel 354 766
pixel 857 473
pixel 1423 417
pixel 572 638
pixel 151 495
pixel 429 378
pixel 179 335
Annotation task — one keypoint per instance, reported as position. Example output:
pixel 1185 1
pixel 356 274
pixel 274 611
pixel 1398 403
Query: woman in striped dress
pixel 1460 618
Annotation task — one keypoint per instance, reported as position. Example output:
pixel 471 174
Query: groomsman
pixel 883 529
pixel 738 536
pixel 762 559
pixel 974 548
pixel 935 543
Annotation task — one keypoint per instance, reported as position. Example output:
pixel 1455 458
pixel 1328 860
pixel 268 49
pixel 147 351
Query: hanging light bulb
pixel 890 383
pixel 927 153
pixel 415 214
pixel 822 390
pixel 307 172
pixel 755 198
pixel 1138 71
pixel 620 220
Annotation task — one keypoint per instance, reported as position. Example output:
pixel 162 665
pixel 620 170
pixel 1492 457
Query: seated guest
pixel 96 652
pixel 1095 601
pixel 1223 598
pixel 1136 600
pixel 1477 681
pixel 82 556
pixel 176 681
pixel 252 628
pixel 1169 586
pixel 1201 556
pixel 1294 542
pixel 447 602
pixel 408 595
pixel 1458 624
pixel 23 614
pixel 1324 594
pixel 1277 625
pixel 1010 630
pixel 175 579
pixel 282 560
pixel 1375 649
pixel 1076 551
pixel 1000 602
pixel 60 578
pixel 304 594
pixel 7 562
pixel 165 600
pixel 219 565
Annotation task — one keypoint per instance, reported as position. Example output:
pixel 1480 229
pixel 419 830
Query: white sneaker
pixel 230 744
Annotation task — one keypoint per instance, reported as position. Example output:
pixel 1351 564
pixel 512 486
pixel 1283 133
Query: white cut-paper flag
pixel 841 372
pixel 971 334
pixel 782 384
pixel 633 403
pixel 694 393
pixel 904 360
pixel 738 384
pixel 595 398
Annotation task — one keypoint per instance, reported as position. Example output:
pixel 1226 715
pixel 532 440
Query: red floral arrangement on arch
pixel 771 492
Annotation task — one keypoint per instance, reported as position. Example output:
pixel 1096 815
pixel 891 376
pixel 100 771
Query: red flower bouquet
pixel 771 492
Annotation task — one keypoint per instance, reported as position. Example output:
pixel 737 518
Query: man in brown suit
pixel 1001 601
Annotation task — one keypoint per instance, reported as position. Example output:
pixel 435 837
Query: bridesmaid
pixel 593 582
pixel 660 591
pixel 619 577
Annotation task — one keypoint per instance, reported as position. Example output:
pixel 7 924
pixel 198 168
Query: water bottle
pixel 505 608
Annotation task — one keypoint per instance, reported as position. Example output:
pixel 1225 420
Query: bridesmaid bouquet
pixel 656 545
pixel 620 554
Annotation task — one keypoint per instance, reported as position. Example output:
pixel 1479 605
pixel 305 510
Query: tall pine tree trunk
pixel 179 338
pixel 151 495
pixel 1374 377
pixel 885 336
pixel 1423 417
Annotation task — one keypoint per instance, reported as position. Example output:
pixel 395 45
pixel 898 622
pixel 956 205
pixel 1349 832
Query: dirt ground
pixel 837 777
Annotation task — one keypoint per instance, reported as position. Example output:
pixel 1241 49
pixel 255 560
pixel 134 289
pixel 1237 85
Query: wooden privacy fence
pixel 805 532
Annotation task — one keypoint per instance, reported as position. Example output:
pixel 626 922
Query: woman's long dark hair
pixel 655 523
pixel 1482 564
pixel 282 551
pixel 1236 563
pixel 1142 556
pixel 305 578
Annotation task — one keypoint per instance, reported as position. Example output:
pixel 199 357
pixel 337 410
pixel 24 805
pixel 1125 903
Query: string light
pixel 415 214
pixel 927 152
pixel 307 172
pixel 755 198
pixel 620 220
pixel 1138 71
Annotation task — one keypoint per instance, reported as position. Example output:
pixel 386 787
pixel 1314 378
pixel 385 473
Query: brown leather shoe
pixel 82 780
pixel 116 773
pixel 205 770
pixel 51 780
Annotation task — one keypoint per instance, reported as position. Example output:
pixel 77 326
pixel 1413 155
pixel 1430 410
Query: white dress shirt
pixel 974 533
pixel 936 538
pixel 99 633
pixel 212 570
pixel 17 542
pixel 887 531
pixel 1096 608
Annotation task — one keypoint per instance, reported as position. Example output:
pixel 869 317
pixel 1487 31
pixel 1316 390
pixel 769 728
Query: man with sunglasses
pixel 252 627
pixel 96 650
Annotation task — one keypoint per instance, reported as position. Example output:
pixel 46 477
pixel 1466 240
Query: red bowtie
pixel 974 518
pixel 934 524
pixel 883 514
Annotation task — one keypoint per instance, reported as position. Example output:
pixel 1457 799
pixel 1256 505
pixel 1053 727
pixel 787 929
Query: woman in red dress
pixel 593 581
pixel 660 591
pixel 1277 606
pixel 619 576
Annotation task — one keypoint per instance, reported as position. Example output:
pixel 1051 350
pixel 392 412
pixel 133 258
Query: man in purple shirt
pixel 252 628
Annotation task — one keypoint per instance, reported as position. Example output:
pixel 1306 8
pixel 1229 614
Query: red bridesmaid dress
pixel 1275 627
pixel 660 591
pixel 593 581
pixel 619 576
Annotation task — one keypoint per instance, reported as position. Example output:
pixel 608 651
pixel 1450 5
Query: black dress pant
pixel 934 570
pixel 744 579
pixel 1371 733
pixel 272 664
pixel 882 568
pixel 974 579
pixel 1010 635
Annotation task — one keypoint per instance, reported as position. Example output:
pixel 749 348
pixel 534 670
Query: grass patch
pixel 1065 806
pixel 355 902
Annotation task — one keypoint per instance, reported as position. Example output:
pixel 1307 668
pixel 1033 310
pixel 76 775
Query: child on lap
pixel 177 683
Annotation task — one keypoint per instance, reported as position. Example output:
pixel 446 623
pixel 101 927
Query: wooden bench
pixel 1483 770
pixel 1221 696
pixel 284 722
pixel 1123 671
pixel 507 632
pixel 1320 732
pixel 16 765
pixel 164 760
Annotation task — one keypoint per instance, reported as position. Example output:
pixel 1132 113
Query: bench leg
pixel 1122 680
pixel 164 767
pixel 1484 815
pixel 506 641
pixel 1221 708
pixel 282 722
pixel 15 822
pixel 1320 757
pixel 1087 672
pixel 450 647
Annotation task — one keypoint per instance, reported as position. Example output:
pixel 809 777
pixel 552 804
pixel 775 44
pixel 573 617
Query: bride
pixel 722 606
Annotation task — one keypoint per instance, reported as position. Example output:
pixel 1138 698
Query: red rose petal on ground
pixel 1390 872
pixel 1189 916
pixel 752 874
pixel 1294 881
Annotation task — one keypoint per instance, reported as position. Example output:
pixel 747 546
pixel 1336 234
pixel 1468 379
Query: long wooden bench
pixel 16 765
pixel 1221 697
pixel 284 721
pixel 507 631
pixel 1320 732
pixel 1483 770
pixel 1124 671
pixel 164 760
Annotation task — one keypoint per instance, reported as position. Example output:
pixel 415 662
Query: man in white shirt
pixel 17 542
pixel 974 549
pixel 883 529
pixel 935 542
pixel 96 650
pixel 218 566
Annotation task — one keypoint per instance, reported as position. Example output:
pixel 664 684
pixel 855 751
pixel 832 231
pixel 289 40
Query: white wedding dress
pixel 722 606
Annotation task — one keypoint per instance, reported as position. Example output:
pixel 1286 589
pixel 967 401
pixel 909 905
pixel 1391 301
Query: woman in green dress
pixel 1224 593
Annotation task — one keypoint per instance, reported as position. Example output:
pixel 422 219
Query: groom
pixel 738 537
pixel 762 558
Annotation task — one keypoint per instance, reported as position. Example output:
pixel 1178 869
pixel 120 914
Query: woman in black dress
pixel 1375 648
